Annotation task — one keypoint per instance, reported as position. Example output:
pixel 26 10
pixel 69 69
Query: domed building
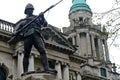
pixel 80 52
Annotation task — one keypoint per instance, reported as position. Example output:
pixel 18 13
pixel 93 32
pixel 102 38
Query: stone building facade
pixel 79 53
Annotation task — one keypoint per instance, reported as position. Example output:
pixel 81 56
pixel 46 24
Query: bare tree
pixel 111 20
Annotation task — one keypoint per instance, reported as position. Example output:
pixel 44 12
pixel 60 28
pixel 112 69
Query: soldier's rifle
pixel 14 37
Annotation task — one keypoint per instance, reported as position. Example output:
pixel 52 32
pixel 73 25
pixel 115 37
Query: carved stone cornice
pixel 77 59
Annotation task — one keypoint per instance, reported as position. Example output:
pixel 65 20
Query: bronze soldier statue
pixel 32 36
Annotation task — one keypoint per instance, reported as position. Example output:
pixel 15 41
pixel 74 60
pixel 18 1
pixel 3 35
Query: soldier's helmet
pixel 28 6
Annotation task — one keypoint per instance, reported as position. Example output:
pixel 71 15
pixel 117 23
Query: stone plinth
pixel 39 76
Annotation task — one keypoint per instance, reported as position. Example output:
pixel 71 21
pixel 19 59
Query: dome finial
pixel 78 1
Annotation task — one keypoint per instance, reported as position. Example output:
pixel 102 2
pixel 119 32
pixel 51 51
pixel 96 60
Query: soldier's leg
pixel 39 45
pixel 27 50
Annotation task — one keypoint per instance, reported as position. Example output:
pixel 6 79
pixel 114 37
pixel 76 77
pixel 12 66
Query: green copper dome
pixel 79 5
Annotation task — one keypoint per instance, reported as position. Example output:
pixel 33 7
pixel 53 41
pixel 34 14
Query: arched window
pixel 2 74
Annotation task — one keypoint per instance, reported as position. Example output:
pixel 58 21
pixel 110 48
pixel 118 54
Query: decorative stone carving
pixel 51 35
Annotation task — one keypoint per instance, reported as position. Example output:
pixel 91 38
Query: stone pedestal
pixel 39 76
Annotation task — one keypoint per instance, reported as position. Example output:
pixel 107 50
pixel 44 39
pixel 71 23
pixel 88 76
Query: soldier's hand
pixel 41 14
pixel 41 17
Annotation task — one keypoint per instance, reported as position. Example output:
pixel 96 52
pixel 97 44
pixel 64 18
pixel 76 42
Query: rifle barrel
pixel 58 2
pixel 52 6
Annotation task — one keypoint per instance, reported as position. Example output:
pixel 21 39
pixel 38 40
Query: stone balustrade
pixel 6 26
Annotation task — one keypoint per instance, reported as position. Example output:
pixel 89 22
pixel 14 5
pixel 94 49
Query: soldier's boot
pixel 45 64
pixel 25 66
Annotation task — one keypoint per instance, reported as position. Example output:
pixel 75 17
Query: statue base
pixel 39 75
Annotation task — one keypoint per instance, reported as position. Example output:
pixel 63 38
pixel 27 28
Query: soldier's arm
pixel 42 20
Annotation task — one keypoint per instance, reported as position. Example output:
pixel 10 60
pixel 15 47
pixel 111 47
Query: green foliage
pixel 105 35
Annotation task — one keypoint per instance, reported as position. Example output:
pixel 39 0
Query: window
pixel 52 64
pixel 70 39
pixel 2 74
pixel 97 47
pixel 72 75
pixel 81 19
pixel 103 72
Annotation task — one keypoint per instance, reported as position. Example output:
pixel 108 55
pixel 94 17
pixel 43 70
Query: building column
pixel 31 63
pixel 20 63
pixel 89 45
pixel 106 51
pixel 101 53
pixel 58 68
pixel 73 40
pixel 14 68
pixel 93 47
pixel 66 72
pixel 78 76
pixel 78 43
pixel 78 39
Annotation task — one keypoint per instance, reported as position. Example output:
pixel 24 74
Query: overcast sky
pixel 13 10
